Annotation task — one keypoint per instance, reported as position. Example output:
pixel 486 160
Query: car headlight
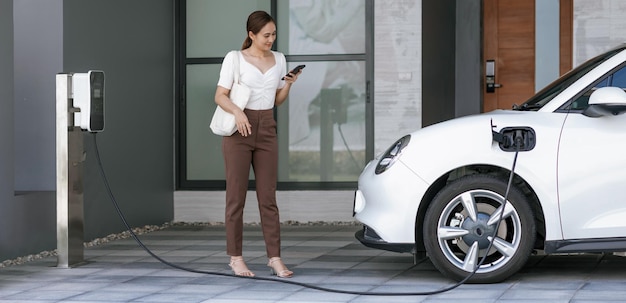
pixel 392 154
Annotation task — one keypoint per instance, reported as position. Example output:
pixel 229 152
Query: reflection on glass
pixel 204 149
pixel 326 27
pixel 215 27
pixel 327 122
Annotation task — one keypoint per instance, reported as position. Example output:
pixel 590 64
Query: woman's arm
pixel 241 120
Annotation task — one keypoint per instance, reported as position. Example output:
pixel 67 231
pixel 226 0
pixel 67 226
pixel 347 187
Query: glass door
pixel 325 128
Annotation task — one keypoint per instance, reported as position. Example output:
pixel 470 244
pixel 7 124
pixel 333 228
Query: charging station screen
pixel 96 119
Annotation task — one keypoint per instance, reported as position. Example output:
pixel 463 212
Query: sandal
pixel 239 267
pixel 278 268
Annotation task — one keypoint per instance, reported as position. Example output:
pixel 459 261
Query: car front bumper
pixel 387 205
pixel 368 237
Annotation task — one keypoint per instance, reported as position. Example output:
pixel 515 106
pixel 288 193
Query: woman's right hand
pixel 243 125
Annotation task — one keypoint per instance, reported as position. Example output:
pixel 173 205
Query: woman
pixel 254 143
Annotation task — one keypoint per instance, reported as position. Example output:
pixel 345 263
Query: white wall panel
pixel 598 26
pixel 398 70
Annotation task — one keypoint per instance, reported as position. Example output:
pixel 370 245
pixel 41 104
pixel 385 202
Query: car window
pixel 617 79
pixel 549 92
pixel 582 102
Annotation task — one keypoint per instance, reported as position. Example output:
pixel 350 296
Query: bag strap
pixel 236 70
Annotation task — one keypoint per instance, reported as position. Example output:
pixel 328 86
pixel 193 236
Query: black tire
pixel 456 243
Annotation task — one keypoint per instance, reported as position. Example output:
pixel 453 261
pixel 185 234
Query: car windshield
pixel 545 95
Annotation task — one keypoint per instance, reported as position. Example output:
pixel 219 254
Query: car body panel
pixel 591 177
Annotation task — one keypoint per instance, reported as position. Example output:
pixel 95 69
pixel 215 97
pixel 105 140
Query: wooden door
pixel 509 40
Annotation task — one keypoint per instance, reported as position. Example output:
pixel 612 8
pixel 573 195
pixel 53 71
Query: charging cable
pixel 310 286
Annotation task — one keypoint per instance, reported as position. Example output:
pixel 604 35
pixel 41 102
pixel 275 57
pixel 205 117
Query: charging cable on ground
pixel 310 286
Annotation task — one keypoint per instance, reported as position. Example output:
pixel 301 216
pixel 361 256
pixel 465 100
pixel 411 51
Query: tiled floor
pixel 325 256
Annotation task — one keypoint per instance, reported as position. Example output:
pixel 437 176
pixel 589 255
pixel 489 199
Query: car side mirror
pixel 606 101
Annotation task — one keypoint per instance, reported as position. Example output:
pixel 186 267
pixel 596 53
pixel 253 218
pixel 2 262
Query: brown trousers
pixel 260 149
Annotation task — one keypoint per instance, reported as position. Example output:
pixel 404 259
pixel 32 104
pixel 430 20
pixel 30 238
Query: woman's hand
pixel 281 94
pixel 292 77
pixel 243 125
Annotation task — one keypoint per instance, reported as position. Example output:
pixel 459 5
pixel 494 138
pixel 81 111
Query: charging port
pixel 517 138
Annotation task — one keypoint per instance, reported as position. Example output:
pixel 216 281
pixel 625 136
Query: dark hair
pixel 256 21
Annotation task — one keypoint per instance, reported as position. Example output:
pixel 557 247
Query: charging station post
pixel 79 106
pixel 69 167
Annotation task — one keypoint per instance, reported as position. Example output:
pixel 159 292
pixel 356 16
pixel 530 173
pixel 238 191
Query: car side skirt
pixel 586 245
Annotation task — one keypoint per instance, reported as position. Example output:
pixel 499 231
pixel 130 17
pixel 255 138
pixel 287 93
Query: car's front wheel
pixel 460 224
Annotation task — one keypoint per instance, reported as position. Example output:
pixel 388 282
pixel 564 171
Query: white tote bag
pixel 223 123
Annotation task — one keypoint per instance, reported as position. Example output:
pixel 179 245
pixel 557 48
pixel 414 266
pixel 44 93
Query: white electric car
pixel 441 189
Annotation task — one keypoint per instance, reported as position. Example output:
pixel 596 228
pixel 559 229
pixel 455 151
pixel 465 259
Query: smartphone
pixel 295 70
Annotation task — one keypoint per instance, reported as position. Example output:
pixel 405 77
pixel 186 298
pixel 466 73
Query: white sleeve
pixel 226 72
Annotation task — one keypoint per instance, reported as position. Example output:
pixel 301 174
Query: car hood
pixel 464 141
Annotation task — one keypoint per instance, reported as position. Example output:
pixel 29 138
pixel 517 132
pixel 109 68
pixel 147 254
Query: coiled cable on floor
pixel 284 281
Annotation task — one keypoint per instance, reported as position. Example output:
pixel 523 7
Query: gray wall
pixel 28 218
pixel 451 45
pixel 6 101
pixel 133 43
pixel 468 82
pixel 38 31
pixel 438 60
pixel 26 221
pixel 6 123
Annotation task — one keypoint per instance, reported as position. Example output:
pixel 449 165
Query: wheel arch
pixel 496 171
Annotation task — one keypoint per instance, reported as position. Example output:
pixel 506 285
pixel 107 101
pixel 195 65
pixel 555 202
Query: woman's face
pixel 265 37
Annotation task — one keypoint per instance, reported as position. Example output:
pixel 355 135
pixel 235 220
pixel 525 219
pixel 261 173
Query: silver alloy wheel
pixel 466 225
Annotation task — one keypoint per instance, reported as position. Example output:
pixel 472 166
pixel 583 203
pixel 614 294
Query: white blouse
pixel 263 86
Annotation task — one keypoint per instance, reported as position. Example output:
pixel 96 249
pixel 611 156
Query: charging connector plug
pixel 518 138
